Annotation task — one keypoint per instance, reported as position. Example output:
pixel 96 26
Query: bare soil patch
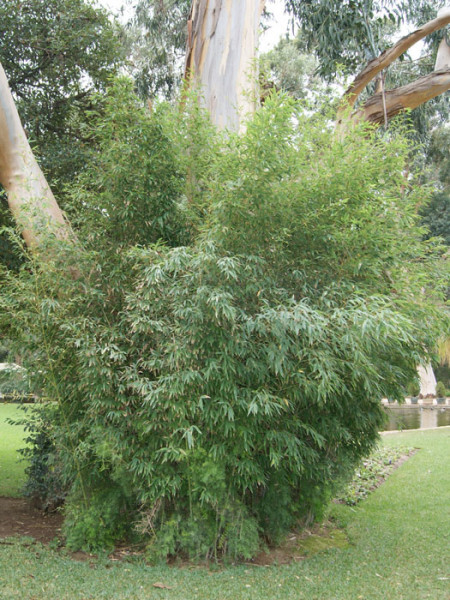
pixel 18 517
pixel 302 544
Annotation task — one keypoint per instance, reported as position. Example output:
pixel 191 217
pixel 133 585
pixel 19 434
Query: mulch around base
pixel 19 518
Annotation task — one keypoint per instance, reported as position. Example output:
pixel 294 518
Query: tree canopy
pixel 157 36
pixel 55 53
pixel 436 214
pixel 346 34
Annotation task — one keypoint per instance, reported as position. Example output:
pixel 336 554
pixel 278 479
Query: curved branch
pixel 405 97
pixel 387 57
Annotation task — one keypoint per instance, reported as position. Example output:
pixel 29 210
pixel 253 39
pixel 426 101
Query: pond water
pixel 416 417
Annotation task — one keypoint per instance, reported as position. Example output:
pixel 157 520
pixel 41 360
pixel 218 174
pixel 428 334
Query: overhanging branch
pixel 375 66
pixel 406 97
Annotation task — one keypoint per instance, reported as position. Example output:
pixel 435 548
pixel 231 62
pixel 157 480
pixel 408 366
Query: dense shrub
pixel 442 373
pixel 44 485
pixel 212 388
pixel 4 353
pixel 440 389
pixel 413 388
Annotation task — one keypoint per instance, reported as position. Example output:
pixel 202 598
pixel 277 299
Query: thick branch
pixel 406 97
pixel 376 65
pixel 29 196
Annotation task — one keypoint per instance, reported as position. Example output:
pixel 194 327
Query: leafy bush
pixel 210 520
pixel 440 390
pixel 413 388
pixel 4 353
pixel 213 388
pixel 442 373
pixel 44 485
pixel 97 521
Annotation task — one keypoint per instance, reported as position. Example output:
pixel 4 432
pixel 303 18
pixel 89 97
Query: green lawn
pixel 12 475
pixel 399 541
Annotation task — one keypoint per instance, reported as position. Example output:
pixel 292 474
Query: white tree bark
pixel 221 57
pixel 29 196
pixel 427 381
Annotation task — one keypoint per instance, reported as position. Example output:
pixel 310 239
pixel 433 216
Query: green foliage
pixel 346 34
pixel 292 70
pixel 54 55
pixel 436 214
pixel 215 384
pixel 440 389
pixel 142 188
pixel 4 352
pixel 14 381
pixel 157 37
pixel 130 207
pixel 95 523
pixel 442 373
pixel 8 254
pixel 413 388
pixel 44 484
pixel 209 520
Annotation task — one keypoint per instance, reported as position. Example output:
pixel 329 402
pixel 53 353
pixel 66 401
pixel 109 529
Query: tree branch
pixel 387 57
pixel 405 97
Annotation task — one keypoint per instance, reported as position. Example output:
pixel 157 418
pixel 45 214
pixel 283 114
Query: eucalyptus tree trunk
pixel 427 381
pixel 30 198
pixel 221 58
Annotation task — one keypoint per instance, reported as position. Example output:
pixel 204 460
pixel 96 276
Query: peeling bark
pixel 221 57
pixel 30 198
pixel 386 58
pixel 406 97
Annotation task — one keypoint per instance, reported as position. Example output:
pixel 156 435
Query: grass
pixel 399 540
pixel 12 476
pixel 371 472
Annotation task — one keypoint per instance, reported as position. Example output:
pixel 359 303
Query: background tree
pixel 55 54
pixel 346 34
pixel 294 70
pixel 157 36
pixel 436 215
